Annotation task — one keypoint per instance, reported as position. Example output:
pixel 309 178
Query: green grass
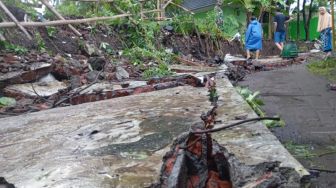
pixel 325 68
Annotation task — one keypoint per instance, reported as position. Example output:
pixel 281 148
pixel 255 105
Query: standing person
pixel 253 38
pixel 280 30
pixel 324 27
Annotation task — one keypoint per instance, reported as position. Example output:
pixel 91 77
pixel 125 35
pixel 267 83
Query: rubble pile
pixel 39 81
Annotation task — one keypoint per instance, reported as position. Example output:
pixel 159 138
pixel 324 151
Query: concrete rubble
pixel 121 142
pixel 45 87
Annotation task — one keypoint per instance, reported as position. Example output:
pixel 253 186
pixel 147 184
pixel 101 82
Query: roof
pixel 198 4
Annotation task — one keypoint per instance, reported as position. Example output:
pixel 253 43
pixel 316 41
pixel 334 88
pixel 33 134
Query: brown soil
pixel 203 47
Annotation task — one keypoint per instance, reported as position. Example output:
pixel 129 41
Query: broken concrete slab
pixel 190 69
pixel 114 143
pixel 120 142
pixel 34 72
pixel 42 89
pixel 121 74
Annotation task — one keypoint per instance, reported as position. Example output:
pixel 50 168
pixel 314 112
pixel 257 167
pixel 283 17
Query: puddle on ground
pixel 157 133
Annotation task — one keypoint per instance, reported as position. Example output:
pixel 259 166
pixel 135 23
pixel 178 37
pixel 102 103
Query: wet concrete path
pixel 303 101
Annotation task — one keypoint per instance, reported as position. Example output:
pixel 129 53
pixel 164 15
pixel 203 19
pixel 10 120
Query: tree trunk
pixel 270 26
pixel 309 18
pixel 298 21
pixel 305 19
pixel 248 17
pixel 288 6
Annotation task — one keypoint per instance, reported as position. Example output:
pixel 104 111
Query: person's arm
pixel 289 19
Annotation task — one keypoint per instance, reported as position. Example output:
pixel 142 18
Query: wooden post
pixel 12 17
pixel 333 24
pixel 59 16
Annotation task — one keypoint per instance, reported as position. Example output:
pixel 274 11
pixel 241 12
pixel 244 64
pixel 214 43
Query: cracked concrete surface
pixel 121 142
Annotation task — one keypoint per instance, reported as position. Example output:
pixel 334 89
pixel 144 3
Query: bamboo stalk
pixel 183 8
pixel 62 22
pixel 165 5
pixel 59 16
pixel 16 22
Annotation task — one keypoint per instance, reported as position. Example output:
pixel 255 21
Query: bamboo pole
pixel 165 5
pixel 183 8
pixel 158 6
pixel 59 16
pixel 16 22
pixel 123 12
pixel 62 22
pixel 333 24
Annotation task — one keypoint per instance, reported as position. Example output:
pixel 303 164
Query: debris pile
pixel 38 81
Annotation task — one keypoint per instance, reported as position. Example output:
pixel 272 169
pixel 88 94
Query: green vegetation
pixel 106 47
pixel 325 68
pixel 299 151
pixel 41 46
pixel 256 104
pixel 13 48
pixel 6 101
pixel 51 31
pixel 159 61
pixel 161 70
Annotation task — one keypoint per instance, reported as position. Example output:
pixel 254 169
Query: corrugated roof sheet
pixel 198 4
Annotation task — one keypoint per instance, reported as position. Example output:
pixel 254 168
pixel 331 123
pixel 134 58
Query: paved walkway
pixel 303 101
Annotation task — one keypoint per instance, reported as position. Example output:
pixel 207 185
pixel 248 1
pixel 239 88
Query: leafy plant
pixel 13 48
pixel 139 55
pixel 106 47
pixel 6 101
pixel 299 151
pixel 51 31
pixel 40 43
pixel 161 70
pixel 256 104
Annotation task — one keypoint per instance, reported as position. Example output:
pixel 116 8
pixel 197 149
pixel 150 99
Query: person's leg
pixel 277 40
pixel 248 54
pixel 279 45
pixel 283 39
pixel 257 54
